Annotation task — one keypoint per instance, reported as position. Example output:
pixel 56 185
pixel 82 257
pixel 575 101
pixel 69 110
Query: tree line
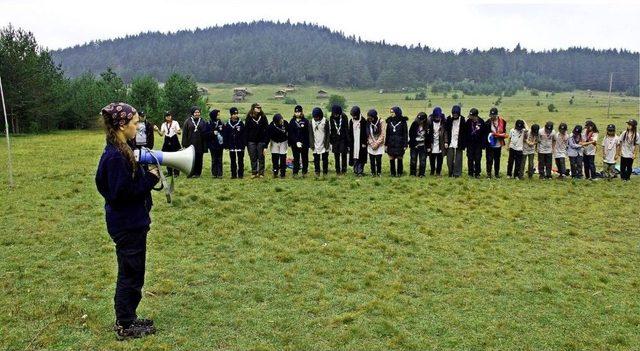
pixel 65 89
pixel 39 97
pixel 267 52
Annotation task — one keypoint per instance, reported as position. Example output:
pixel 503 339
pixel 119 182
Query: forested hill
pixel 267 52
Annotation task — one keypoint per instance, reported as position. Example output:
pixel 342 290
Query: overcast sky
pixel 449 26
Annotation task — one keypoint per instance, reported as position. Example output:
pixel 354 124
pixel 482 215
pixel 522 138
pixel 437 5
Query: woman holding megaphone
pixel 126 188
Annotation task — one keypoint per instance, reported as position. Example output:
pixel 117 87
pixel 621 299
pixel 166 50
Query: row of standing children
pixel 580 146
pixel 357 140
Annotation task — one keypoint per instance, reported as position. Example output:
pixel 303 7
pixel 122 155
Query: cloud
pixel 449 26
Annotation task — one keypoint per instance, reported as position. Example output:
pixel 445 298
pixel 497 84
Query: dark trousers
pixel 325 163
pixel 474 159
pixel 396 167
pixel 279 164
pixel 514 164
pixel 589 166
pixel 340 159
pixel 131 250
pixel 561 166
pixel 493 160
pixel 300 157
pixel 626 167
pixel 197 164
pixel 237 163
pixel 216 162
pixel 435 163
pixel 576 166
pixel 256 155
pixel 171 145
pixel 376 164
pixel 418 155
pixel 544 165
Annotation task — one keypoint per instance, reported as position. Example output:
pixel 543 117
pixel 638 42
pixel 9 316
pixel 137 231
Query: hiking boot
pixel 143 322
pixel 134 331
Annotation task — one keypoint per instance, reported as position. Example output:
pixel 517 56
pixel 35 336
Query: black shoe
pixel 134 331
pixel 143 322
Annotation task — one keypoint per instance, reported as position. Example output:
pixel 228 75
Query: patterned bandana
pixel 118 114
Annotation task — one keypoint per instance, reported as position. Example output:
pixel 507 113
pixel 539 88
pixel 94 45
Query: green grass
pixel 339 263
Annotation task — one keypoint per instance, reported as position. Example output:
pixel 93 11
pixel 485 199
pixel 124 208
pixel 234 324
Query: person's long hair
pixel 634 133
pixel 111 136
pixel 252 112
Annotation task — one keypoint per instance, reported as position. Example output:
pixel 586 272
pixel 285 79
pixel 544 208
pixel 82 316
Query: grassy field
pixel 339 263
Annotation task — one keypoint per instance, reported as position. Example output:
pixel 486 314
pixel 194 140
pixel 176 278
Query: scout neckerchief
pixel 373 127
pixel 339 126
pixel 195 124
pixel 394 126
pixel 236 126
pixel 317 123
pixel 300 125
pixel 280 129
pixel 257 121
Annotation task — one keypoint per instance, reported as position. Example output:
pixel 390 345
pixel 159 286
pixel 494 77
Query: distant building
pixel 280 94
pixel 322 94
pixel 240 94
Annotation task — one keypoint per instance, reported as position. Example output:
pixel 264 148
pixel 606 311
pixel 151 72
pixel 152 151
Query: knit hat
pixel 336 110
pixel 355 111
pixel 317 112
pixel 493 111
pixel 473 112
pixel 548 126
pixel 455 110
pixel 437 111
pixel 535 128
pixel 372 113
pixel 298 108
pixel 233 111
pixel 397 111
pixel 194 109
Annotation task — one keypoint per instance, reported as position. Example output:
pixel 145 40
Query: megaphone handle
pixel 163 180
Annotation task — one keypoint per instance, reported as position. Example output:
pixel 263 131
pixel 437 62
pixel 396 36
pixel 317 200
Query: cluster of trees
pixel 267 52
pixel 40 98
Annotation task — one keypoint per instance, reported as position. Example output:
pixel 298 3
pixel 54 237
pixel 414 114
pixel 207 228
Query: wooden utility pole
pixel 6 128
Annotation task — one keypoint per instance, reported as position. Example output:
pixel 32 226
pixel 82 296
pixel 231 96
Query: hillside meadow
pixel 332 263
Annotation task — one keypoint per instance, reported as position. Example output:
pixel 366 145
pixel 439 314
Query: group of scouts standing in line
pixel 126 186
pixel 356 140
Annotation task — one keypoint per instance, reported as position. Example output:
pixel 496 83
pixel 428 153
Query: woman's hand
pixel 153 169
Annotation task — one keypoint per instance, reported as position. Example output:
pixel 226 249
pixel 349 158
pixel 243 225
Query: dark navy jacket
pixel 278 135
pixel 214 126
pixel 127 198
pixel 234 136
pixel 257 130
pixel 299 132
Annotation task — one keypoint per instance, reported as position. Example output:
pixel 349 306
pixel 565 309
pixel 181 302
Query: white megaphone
pixel 182 160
